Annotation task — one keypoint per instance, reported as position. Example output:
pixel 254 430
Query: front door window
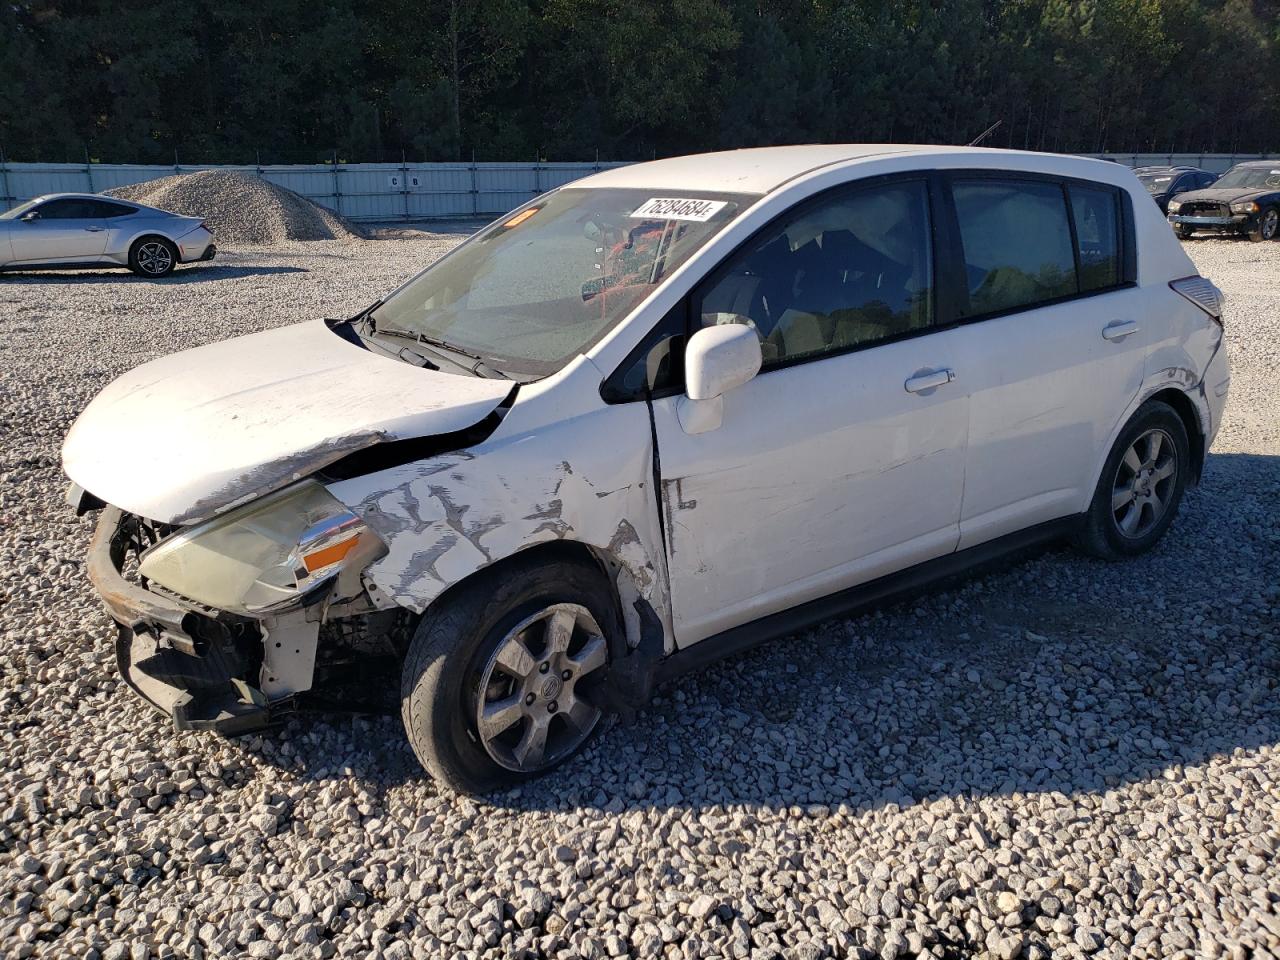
pixel 846 272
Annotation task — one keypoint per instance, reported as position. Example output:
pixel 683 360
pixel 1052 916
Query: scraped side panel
pixel 587 479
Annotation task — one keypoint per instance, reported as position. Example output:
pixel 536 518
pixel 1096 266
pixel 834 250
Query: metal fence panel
pixel 407 191
pixel 360 191
pixel 27 180
pixel 441 190
pixel 310 180
pixel 107 176
pixel 1213 162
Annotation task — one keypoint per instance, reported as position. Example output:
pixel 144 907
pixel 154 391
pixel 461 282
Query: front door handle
pixel 1119 329
pixel 95 229
pixel 927 381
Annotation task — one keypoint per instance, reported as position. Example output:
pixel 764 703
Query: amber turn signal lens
pixel 329 555
pixel 520 217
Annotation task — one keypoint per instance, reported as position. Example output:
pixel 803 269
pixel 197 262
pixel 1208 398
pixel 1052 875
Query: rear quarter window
pixel 108 209
pixel 1097 221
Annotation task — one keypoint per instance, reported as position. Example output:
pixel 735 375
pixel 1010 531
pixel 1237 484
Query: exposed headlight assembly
pixel 265 556
pixel 1244 206
pixel 1175 206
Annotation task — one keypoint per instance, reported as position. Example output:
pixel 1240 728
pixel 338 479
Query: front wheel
pixel 1268 226
pixel 1141 485
pixel 501 681
pixel 1183 231
pixel 153 257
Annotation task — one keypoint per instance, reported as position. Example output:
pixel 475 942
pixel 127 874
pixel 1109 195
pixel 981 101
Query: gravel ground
pixel 1059 758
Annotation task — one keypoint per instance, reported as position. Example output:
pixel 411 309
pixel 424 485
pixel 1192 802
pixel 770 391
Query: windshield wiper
pixel 393 332
pixel 446 345
pixel 479 366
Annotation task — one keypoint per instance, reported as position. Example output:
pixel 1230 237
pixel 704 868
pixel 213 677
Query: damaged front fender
pixel 587 479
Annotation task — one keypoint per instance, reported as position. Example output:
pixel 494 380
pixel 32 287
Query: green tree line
pixel 304 80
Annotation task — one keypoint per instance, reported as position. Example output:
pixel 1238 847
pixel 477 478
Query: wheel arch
pixel 1194 415
pixel 642 627
pixel 151 234
pixel 1190 417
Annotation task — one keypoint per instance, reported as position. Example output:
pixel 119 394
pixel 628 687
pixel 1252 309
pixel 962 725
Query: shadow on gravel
pixel 1051 672
pixel 194 273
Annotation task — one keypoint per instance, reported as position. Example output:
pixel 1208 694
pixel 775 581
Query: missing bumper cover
pixel 183 662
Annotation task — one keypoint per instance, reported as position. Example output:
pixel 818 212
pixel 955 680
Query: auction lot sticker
pixel 677 208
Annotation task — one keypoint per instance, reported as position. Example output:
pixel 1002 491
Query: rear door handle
pixel 1119 329
pixel 95 229
pixel 927 381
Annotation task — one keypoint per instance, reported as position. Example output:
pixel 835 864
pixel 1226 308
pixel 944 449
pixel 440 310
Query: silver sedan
pixel 77 230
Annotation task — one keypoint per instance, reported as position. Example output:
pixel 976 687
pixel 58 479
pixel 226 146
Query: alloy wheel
pixel 531 710
pixel 154 258
pixel 1270 224
pixel 1144 483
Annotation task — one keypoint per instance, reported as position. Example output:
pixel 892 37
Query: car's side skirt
pixel 62 265
pixel 884 588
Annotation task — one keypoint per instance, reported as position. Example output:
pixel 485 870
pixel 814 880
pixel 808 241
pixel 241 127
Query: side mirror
pixel 716 360
pixel 720 358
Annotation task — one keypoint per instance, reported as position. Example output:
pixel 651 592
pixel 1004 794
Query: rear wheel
pixel 501 680
pixel 1141 485
pixel 1268 227
pixel 153 257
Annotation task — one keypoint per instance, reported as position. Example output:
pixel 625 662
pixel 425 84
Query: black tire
pixel 147 257
pixel 1268 227
pixel 440 686
pixel 1101 534
pixel 1183 231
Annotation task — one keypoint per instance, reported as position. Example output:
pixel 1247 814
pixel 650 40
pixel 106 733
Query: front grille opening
pixel 137 535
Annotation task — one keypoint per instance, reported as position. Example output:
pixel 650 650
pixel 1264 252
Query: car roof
pixel 1162 168
pixel 84 196
pixel 109 199
pixel 760 170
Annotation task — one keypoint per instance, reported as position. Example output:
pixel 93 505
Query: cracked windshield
pixel 538 287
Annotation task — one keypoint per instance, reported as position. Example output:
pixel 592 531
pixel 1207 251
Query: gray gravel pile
pixel 240 208
pixel 1059 758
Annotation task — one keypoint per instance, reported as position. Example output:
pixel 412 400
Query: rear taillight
pixel 1202 293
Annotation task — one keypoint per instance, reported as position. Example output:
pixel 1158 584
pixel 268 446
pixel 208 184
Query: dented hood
pixel 190 435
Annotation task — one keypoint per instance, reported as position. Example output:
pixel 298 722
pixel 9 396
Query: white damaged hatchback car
pixel 643 421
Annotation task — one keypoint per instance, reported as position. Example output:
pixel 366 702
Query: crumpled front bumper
pixel 194 667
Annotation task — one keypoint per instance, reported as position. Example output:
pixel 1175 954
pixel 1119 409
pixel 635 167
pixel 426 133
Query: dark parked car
pixel 1246 200
pixel 1165 183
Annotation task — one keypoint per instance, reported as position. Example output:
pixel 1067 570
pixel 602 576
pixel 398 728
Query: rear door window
pixel 1095 210
pixel 1016 239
